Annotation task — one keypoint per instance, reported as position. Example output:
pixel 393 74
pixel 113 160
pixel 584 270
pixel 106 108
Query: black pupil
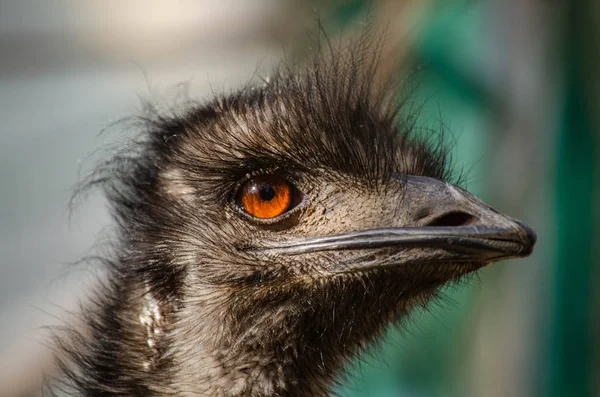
pixel 266 193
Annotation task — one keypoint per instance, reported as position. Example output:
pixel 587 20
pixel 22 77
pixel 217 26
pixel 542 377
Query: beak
pixel 448 224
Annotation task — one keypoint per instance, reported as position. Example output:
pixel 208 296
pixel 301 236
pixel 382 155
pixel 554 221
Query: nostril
pixel 456 218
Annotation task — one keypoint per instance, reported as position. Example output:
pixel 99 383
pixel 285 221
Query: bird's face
pixel 331 226
pixel 263 215
pixel 307 235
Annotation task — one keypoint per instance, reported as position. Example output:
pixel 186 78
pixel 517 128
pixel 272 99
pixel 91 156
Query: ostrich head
pixel 266 237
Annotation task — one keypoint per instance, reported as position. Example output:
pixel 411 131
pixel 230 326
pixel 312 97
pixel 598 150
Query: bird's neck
pixel 279 341
pixel 235 341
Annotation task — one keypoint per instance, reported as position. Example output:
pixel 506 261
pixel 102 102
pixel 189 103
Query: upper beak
pixel 447 224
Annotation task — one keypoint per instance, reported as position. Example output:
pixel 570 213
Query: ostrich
pixel 267 237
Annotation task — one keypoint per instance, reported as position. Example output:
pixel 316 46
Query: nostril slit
pixel 453 219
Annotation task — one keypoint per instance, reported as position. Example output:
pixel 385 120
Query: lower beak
pixel 456 227
pixel 464 243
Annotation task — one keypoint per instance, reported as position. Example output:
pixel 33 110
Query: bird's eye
pixel 266 196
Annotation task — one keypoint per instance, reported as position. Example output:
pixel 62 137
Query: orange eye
pixel 266 196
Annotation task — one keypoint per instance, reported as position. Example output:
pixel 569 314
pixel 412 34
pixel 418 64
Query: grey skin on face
pixel 264 239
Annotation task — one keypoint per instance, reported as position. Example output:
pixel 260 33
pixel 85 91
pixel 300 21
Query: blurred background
pixel 516 82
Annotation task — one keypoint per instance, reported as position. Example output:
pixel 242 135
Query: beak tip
pixel 528 239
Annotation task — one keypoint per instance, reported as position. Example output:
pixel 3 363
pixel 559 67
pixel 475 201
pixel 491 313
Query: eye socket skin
pixel 266 196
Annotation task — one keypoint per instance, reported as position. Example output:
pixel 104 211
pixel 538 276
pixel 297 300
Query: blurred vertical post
pixel 571 350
